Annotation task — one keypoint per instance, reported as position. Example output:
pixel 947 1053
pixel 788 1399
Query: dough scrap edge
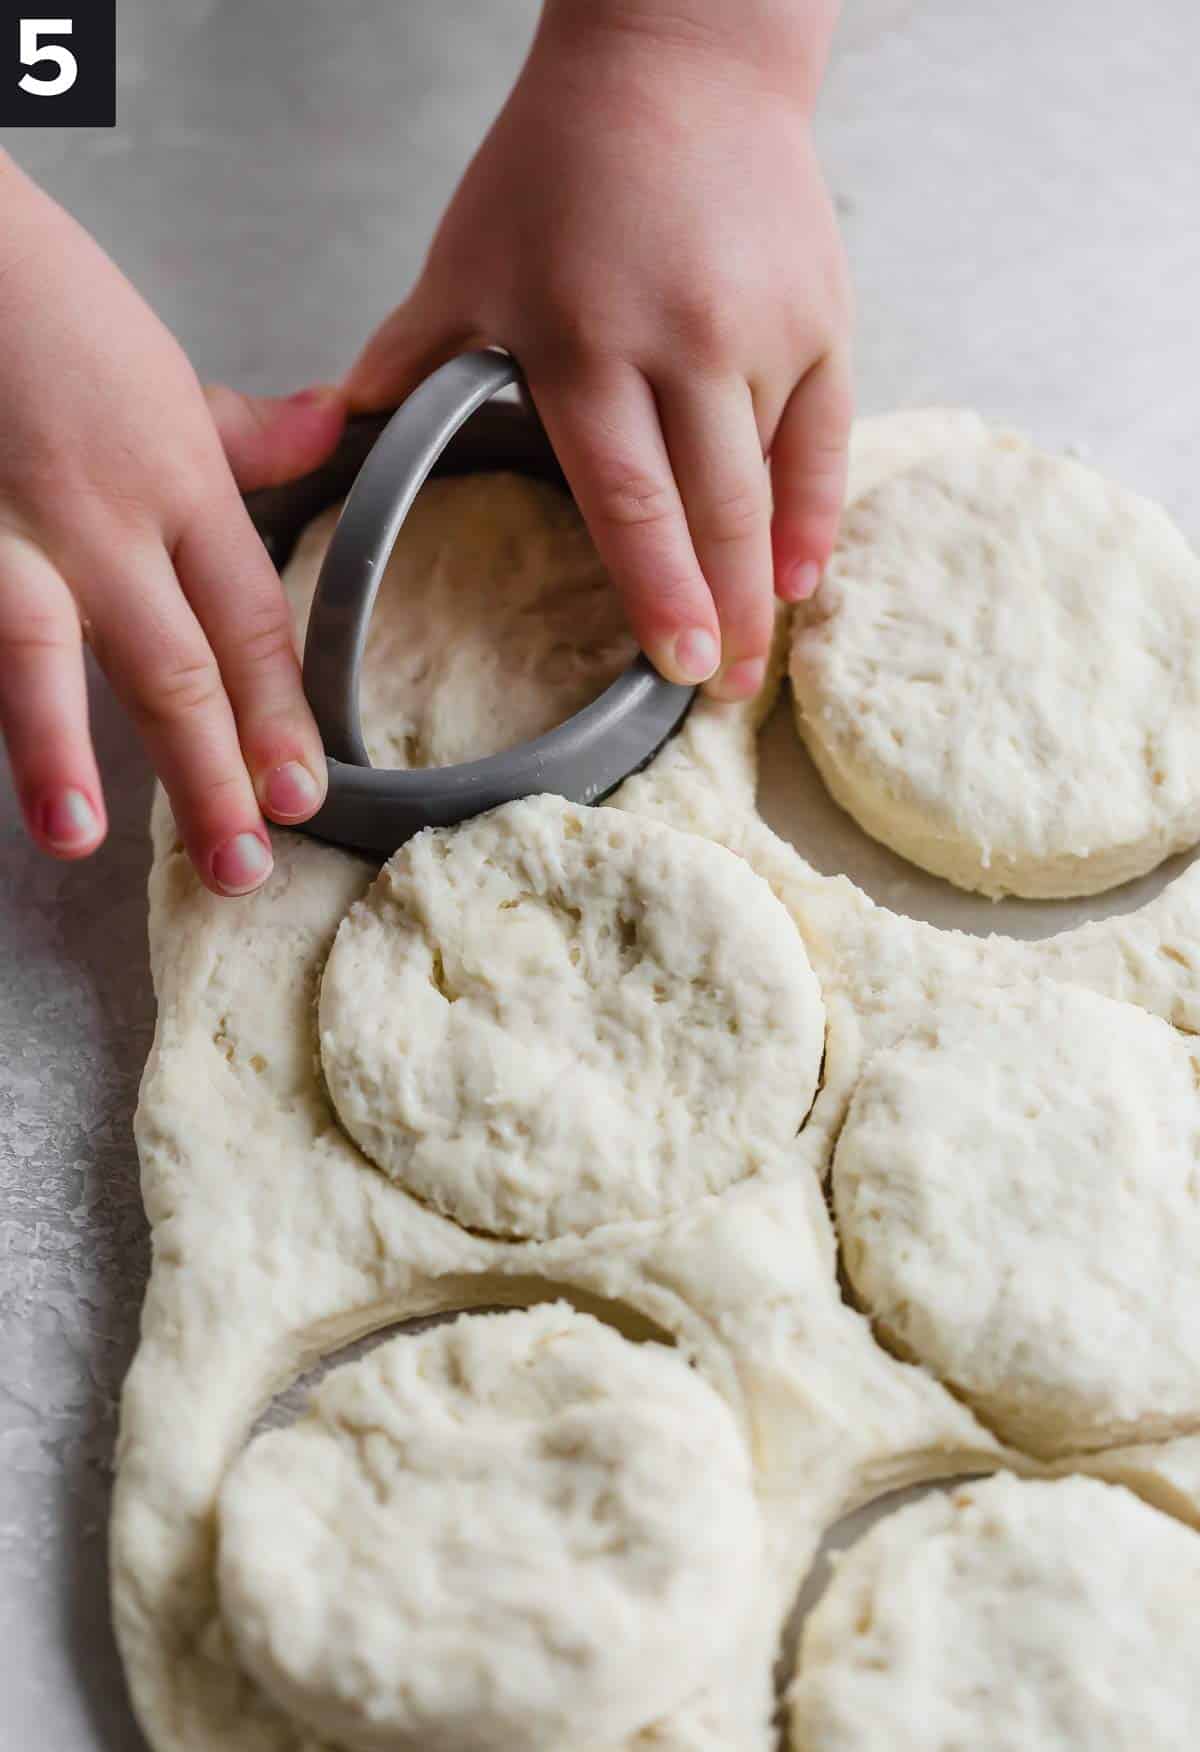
pixel 744 1281
pixel 831 1418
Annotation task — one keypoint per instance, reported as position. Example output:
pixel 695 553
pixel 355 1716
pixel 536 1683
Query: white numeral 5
pixel 34 51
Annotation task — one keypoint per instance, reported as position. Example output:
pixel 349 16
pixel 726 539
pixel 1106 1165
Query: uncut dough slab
pixel 1000 678
pixel 1005 1617
pixel 252 1282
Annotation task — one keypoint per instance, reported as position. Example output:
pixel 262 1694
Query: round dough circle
pixel 1000 676
pixel 1017 1187
pixel 556 1017
pixel 1006 1617
pixel 508 1531
pixel 494 622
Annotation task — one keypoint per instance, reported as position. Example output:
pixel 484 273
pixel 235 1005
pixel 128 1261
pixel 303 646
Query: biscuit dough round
pixel 1000 676
pixel 1010 1616
pixel 555 1017
pixel 510 1531
pixel 495 621
pixel 1017 1187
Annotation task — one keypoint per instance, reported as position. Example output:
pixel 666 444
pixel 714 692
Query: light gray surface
pixel 1017 183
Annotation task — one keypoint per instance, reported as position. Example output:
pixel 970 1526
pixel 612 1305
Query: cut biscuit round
pixel 1007 1616
pixel 1000 676
pixel 555 1017
pixel 1017 1188
pixel 507 1531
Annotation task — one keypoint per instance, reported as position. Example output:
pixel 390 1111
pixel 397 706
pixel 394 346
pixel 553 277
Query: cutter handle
pixel 371 519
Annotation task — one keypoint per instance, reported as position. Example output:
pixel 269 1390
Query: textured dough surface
pixel 884 445
pixel 1017 1187
pixel 495 621
pixel 1009 1616
pixel 556 1017
pixel 1000 676
pixel 509 1531
pixel 276 1242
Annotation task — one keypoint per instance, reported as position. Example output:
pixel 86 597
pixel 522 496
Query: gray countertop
pixel 1019 189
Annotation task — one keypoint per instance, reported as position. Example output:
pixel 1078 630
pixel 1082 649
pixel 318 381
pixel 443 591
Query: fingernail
pixel 697 655
pixel 740 680
pixel 315 395
pixel 67 820
pixel 290 791
pixel 241 864
pixel 801 582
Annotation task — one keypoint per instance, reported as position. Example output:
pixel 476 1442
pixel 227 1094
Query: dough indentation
pixel 554 1018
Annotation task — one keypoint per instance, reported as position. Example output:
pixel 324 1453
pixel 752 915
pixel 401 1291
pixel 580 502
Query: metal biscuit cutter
pixel 373 810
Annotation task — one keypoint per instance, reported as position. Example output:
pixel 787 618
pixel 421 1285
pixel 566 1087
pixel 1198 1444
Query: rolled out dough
pixel 276 1241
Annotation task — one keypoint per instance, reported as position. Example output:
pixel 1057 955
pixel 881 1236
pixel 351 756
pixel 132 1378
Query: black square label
pixel 58 64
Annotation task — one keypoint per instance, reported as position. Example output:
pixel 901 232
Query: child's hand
pixel 120 520
pixel 647 230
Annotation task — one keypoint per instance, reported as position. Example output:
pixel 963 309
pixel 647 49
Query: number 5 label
pixel 35 52
pixel 58 72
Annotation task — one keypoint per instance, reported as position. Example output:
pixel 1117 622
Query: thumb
pixel 402 352
pixel 272 439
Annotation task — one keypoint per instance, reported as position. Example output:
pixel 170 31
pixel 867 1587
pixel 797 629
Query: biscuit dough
pixel 1000 677
pixel 557 1017
pixel 509 1531
pixel 1007 1617
pixel 276 1242
pixel 494 621
pixel 1017 1188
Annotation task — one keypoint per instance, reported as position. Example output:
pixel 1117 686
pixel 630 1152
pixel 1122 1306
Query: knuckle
pixel 822 474
pixel 673 594
pixel 38 633
pixel 707 326
pixel 264 640
pixel 629 497
pixel 732 516
pixel 217 791
pixel 576 327
pixel 826 456
pixel 182 690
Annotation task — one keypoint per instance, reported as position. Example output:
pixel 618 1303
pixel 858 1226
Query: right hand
pixel 121 523
pixel 647 229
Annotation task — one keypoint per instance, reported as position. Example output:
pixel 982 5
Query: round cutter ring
pixel 375 810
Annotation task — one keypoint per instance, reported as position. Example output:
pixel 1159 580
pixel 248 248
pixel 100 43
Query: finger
pixel 235 593
pixel 43 705
pixel 606 434
pixel 808 473
pixel 715 450
pixel 272 439
pixel 153 650
pixel 413 341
